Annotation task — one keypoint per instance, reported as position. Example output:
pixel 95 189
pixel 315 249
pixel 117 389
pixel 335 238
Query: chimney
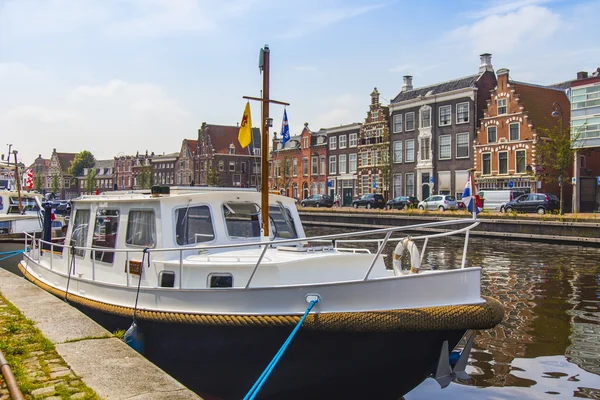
pixel 582 75
pixel 486 63
pixel 407 85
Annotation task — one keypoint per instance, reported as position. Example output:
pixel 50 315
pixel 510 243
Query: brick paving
pixel 40 372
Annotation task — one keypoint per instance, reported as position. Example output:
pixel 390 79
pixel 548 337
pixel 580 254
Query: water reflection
pixel 549 341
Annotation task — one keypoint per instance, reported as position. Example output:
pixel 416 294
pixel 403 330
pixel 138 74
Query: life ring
pixel 415 257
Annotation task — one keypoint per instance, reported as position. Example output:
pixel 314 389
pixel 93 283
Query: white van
pixel 495 200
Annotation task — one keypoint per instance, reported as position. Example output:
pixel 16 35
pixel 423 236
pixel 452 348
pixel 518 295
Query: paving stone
pixel 36 353
pixel 56 367
pixel 77 396
pixel 60 374
pixel 75 382
pixel 54 360
pixel 53 398
pixel 43 391
pixel 29 359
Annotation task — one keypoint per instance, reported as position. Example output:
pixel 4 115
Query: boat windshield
pixel 242 219
pixel 284 223
pixel 28 204
pixel 194 225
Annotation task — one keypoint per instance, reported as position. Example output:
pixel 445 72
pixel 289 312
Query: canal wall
pixel 558 232
pixel 104 362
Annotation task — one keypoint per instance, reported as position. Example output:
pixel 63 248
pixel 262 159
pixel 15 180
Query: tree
pixel 90 180
pixel 286 173
pixel 386 171
pixel 145 177
pixel 213 177
pixel 37 182
pixel 82 160
pixel 55 183
pixel 555 154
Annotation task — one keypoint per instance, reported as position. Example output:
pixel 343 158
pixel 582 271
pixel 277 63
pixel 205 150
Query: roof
pixel 104 163
pixel 538 102
pixel 561 85
pixel 65 160
pixel 193 146
pixel 438 88
pixel 223 136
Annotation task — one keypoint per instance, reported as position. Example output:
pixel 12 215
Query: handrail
pixel 9 378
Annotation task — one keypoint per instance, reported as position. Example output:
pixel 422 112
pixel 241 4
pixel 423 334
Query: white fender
pixel 415 258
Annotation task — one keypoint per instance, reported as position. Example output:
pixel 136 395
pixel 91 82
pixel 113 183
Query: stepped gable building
pixel 342 151
pixel 505 147
pixel 58 176
pixel 221 159
pixel 299 168
pixel 373 150
pixel 187 163
pixel 40 168
pixel 432 132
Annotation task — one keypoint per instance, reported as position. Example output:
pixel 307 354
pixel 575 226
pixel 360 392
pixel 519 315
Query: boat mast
pixel 266 122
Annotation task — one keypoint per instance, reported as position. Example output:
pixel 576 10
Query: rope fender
pixel 471 316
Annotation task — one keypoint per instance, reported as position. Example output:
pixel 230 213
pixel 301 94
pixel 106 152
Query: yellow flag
pixel 245 132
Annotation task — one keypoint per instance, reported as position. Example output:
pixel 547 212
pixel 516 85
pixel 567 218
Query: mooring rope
pixel 137 295
pixel 71 267
pixel 9 254
pixel 263 377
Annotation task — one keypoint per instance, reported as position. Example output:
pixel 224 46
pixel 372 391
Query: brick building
pixel 163 168
pixel 58 177
pixel 342 151
pixel 505 147
pixel 187 163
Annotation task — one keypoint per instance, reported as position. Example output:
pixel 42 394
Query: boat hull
pixel 9 243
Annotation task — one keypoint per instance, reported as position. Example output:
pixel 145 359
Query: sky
pixel 121 76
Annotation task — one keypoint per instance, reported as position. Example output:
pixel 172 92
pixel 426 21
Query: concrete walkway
pixel 103 362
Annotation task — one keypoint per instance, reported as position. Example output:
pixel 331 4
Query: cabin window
pixel 194 225
pixel 105 234
pixel 220 280
pixel 242 219
pixel 284 223
pixel 141 229
pixel 80 231
pixel 28 204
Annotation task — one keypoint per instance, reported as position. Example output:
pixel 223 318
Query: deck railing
pixel 36 248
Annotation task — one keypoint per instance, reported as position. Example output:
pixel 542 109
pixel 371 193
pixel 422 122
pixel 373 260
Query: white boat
pixel 211 281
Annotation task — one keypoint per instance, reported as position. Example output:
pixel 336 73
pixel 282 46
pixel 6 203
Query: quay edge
pixel 548 231
pixel 104 363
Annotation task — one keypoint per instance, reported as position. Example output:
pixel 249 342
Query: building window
pixel 365 184
pixel 353 137
pixel 343 141
pixel 332 143
pixel 295 167
pixel 332 169
pixel 445 115
pixel 305 142
pixel 397 123
pixel 514 131
pixel 322 161
pixel 503 162
pixel 397 182
pixel 398 151
pixel 342 163
pixel 409 121
pixel 374 157
pixel 426 117
pixel 445 147
pixel 314 162
pixel 520 162
pixel 221 166
pixel 462 145
pixel 425 142
pixel 501 106
pixel 231 149
pixel 462 113
pixel 256 152
pixel 486 163
pixel 410 150
pixel 374 116
pixel 305 166
pixel 364 159
pixel 243 167
pixel 232 166
pixel 352 163
pixel 491 134
pixel 237 180
pixel 410 185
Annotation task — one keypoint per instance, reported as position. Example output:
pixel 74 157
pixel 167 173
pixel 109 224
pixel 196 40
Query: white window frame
pixel 364 159
pixel 500 172
pixel 314 165
pixel 406 121
pixel 487 131
pixel 375 116
pixel 397 123
pixel 517 161
pixel 322 164
pixel 448 145
pixel 352 159
pixel 397 151
pixel 408 159
pixel 448 107
pixel 353 140
pixel 333 143
pixel 231 166
pixel 483 164
pixel 332 165
pixel 458 106
pixel 505 106
pixel 421 119
pixel 295 167
pixel 365 184
pixel 457 144
pixel 406 191
pixel 343 167
pixel 342 143
pixel 518 131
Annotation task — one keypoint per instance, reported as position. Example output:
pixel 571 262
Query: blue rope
pixel 263 377
pixel 9 254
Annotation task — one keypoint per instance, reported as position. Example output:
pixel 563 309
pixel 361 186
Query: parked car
pixel 440 202
pixel 534 202
pixel 496 199
pixel 317 200
pixel 370 200
pixel 402 203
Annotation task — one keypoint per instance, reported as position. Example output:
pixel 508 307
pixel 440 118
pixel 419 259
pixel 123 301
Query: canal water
pixel 548 345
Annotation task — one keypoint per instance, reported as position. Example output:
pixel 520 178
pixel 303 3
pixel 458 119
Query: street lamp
pixel 558 112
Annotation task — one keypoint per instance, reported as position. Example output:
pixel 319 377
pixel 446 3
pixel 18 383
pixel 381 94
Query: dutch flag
pixel 469 199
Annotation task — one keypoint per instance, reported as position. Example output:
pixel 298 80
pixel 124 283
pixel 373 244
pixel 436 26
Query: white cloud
pixel 503 33
pixel 502 7
pixel 37 114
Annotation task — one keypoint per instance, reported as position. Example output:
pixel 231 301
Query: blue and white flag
pixel 285 129
pixel 470 197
